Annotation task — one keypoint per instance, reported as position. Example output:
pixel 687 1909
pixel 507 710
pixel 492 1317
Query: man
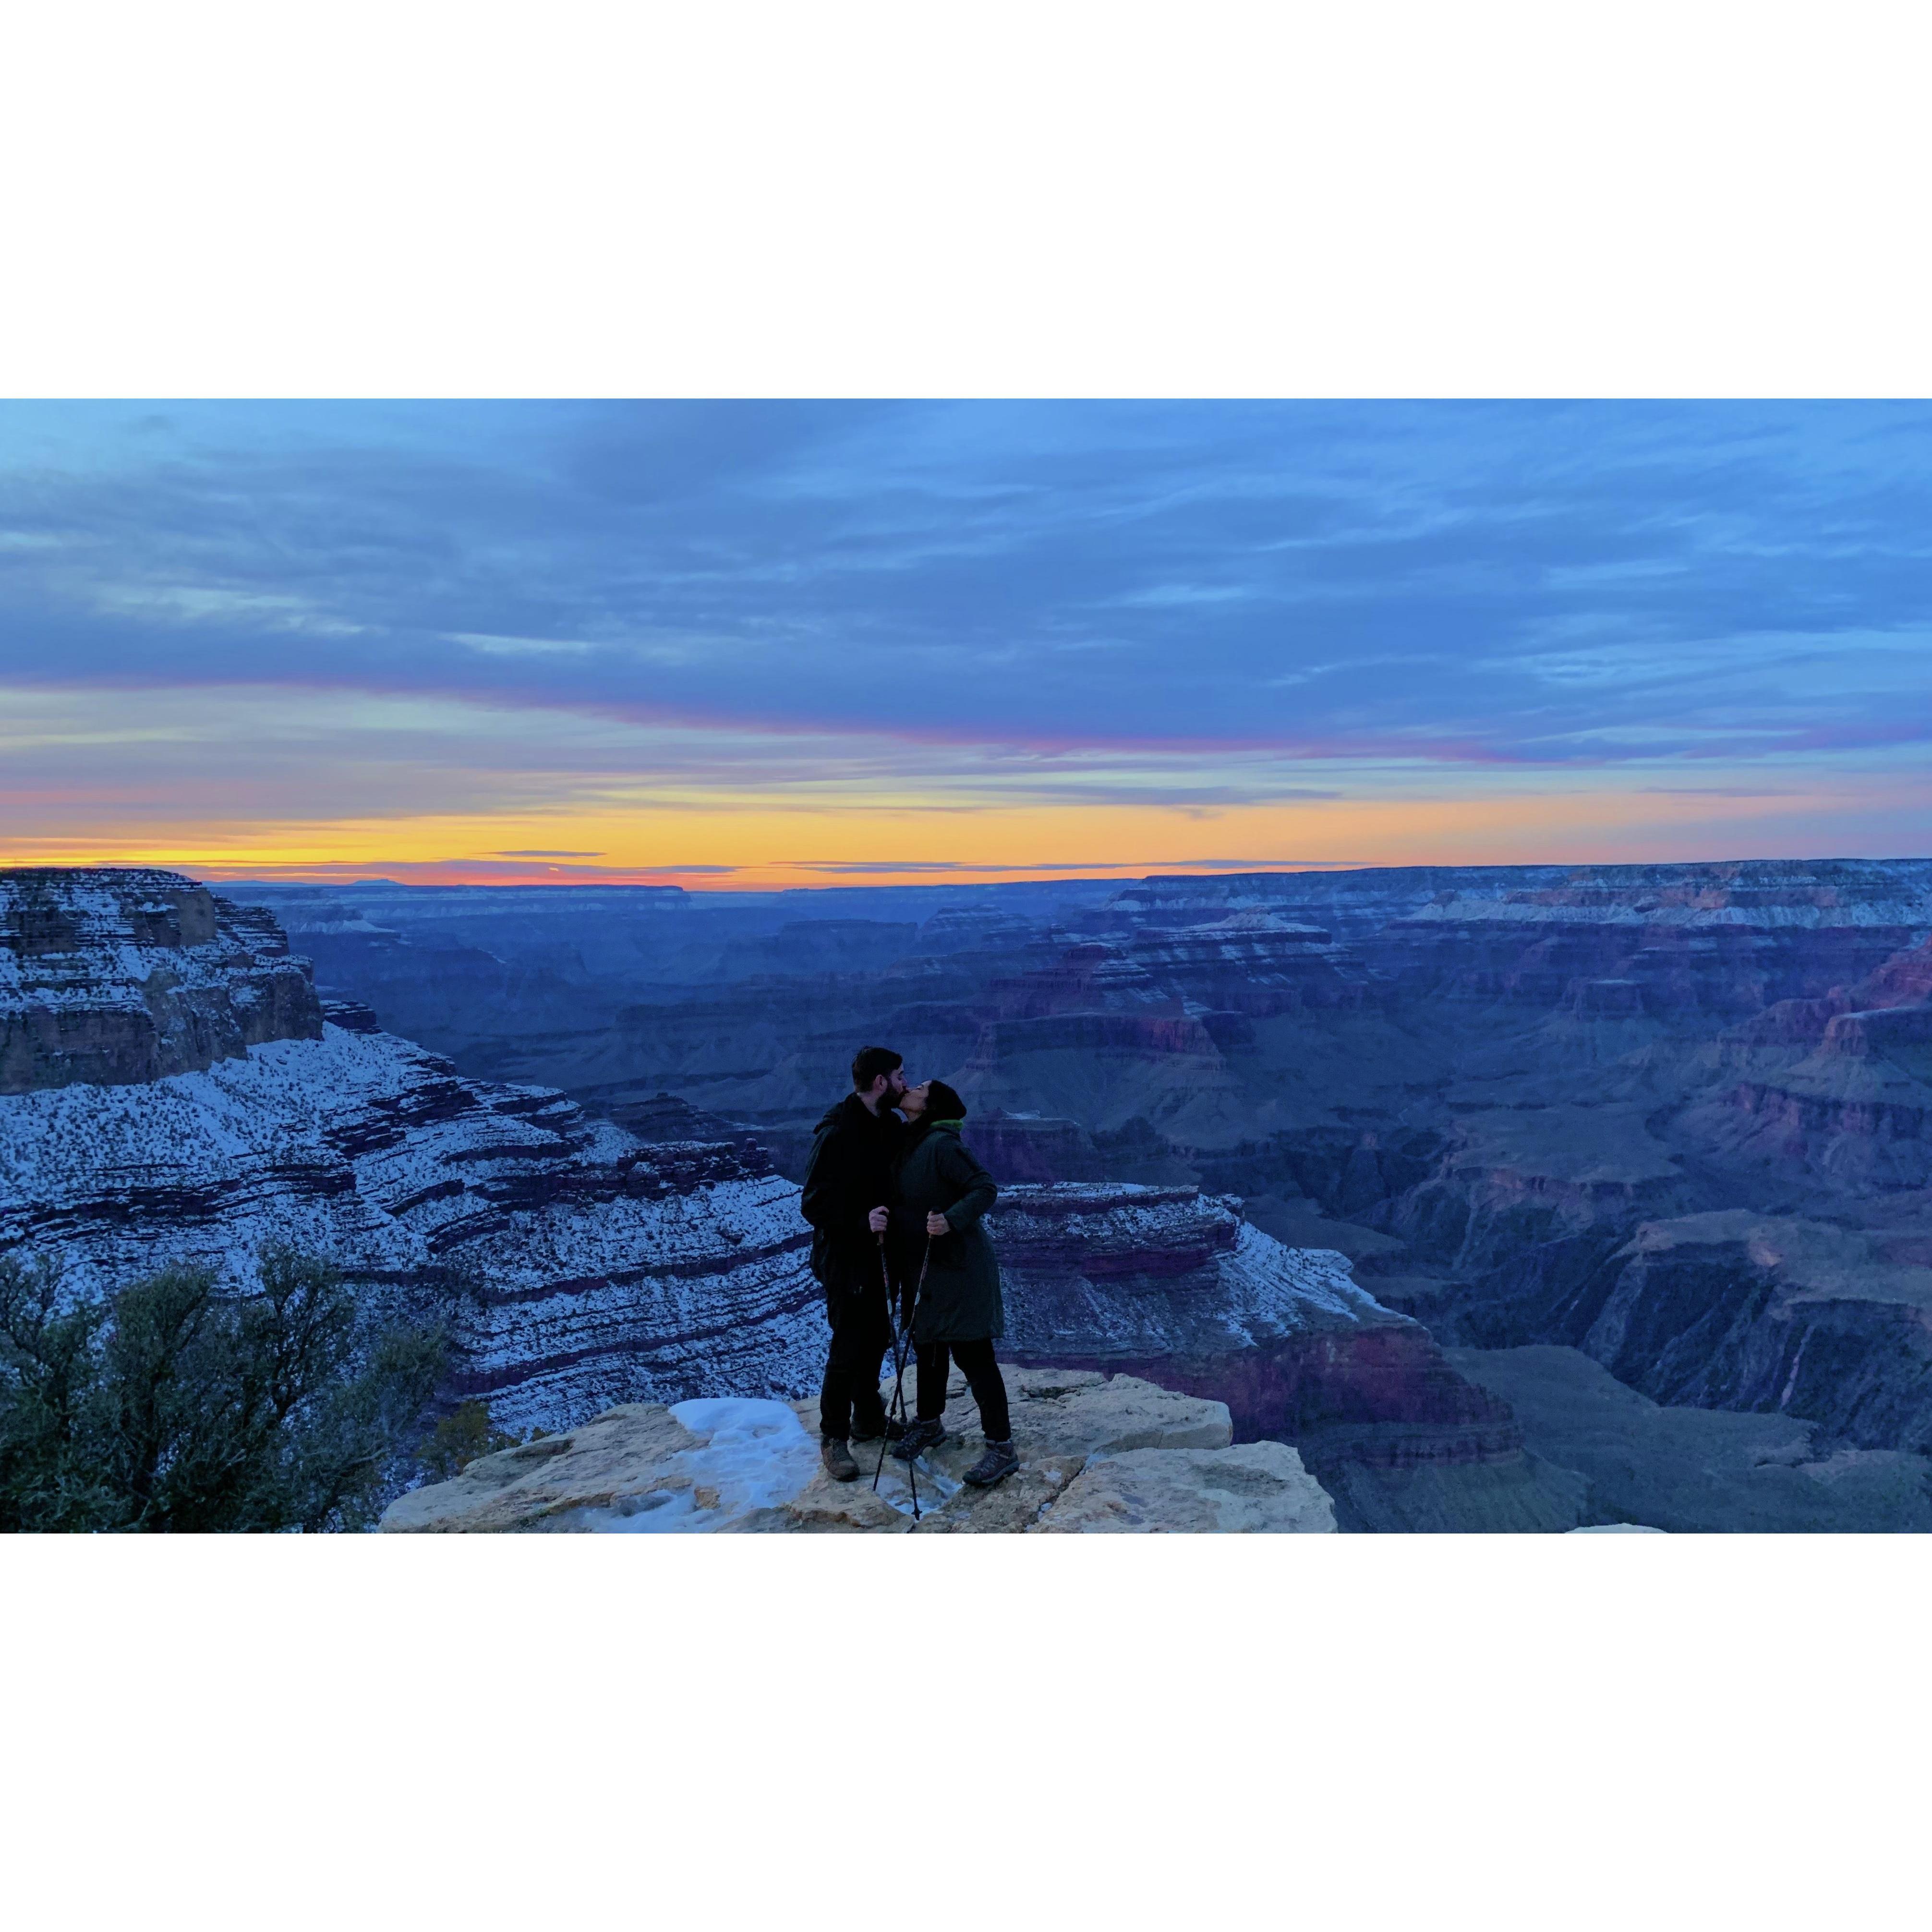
pixel 848 1182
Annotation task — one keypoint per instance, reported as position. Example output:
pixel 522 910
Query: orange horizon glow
pixel 762 848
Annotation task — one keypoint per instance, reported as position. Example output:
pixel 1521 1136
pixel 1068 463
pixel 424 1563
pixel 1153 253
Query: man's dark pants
pixel 862 1334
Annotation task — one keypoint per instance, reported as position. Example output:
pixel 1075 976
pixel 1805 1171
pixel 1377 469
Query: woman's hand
pixel 878 1220
pixel 937 1224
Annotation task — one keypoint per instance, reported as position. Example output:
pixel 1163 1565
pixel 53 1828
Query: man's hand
pixel 877 1220
pixel 937 1224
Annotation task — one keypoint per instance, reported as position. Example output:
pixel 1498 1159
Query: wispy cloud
pixel 1196 609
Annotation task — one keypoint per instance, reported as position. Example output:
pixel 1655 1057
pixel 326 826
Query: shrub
pixel 172 1405
pixel 457 1440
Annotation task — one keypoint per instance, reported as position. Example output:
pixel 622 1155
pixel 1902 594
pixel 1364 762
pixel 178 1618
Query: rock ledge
pixel 1096 1453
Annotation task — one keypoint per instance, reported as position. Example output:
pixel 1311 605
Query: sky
pixel 751 644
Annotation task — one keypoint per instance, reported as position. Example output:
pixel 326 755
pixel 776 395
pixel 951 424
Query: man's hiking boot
pixel 922 1436
pixel 998 1462
pixel 893 1430
pixel 837 1458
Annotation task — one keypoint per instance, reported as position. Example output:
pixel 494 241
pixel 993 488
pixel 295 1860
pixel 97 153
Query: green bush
pixel 174 1405
pixel 457 1440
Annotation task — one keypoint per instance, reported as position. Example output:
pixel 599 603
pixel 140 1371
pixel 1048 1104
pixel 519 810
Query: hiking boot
pixel 893 1429
pixel 837 1458
pixel 922 1436
pixel 998 1462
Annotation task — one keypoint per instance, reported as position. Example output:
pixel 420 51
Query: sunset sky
pixel 751 644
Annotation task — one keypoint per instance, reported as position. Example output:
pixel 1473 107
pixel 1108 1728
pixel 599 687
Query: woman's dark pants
pixel 983 1377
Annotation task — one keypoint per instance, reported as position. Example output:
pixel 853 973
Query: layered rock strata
pixel 1175 1286
pixel 179 1094
pixel 120 976
pixel 1731 1308
pixel 585 1267
pixel 1727 939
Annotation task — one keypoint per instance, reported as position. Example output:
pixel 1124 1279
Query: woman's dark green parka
pixel 960 1301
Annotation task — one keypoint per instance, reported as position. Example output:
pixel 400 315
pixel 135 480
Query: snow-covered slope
pixel 597 1268
pixel 144 1124
pixel 1109 1269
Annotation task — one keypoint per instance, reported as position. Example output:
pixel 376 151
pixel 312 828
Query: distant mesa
pixel 122 977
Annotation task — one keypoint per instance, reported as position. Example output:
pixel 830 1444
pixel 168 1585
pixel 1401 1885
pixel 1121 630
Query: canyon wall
pixel 1487 1087
pixel 120 976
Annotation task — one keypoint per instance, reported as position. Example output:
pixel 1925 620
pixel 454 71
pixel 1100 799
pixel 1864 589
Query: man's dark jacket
pixel 849 1175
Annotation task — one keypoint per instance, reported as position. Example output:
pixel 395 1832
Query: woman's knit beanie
pixel 943 1103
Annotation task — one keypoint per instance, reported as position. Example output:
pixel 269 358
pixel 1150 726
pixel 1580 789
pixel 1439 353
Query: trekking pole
pixel 898 1370
pixel 901 1345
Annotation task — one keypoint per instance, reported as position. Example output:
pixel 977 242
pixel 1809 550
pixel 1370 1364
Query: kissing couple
pixel 896 1202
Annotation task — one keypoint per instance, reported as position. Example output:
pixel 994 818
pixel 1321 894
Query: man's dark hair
pixel 869 1062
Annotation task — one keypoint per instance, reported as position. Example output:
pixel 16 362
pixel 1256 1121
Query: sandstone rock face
pixel 1119 1454
pixel 1840 1086
pixel 1509 1179
pixel 120 976
pixel 1060 1418
pixel 1058 1412
pixel 614 1461
pixel 1258 1486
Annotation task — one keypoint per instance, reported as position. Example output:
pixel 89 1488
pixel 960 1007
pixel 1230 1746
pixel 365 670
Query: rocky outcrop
pixel 615 1461
pixel 120 976
pixel 1169 1285
pixel 1258 1486
pixel 1839 1086
pixel 1114 1273
pixel 1095 1454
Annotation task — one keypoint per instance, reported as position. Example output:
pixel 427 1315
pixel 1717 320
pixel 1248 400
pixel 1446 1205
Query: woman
pixel 942 1194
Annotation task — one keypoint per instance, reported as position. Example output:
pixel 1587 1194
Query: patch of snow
pixel 757 1456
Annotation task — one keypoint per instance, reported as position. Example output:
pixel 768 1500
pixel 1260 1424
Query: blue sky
pixel 651 635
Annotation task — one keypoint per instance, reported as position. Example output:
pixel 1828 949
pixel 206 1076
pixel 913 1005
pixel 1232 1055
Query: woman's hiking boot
pixel 922 1436
pixel 998 1462
pixel 837 1458
pixel 864 1432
